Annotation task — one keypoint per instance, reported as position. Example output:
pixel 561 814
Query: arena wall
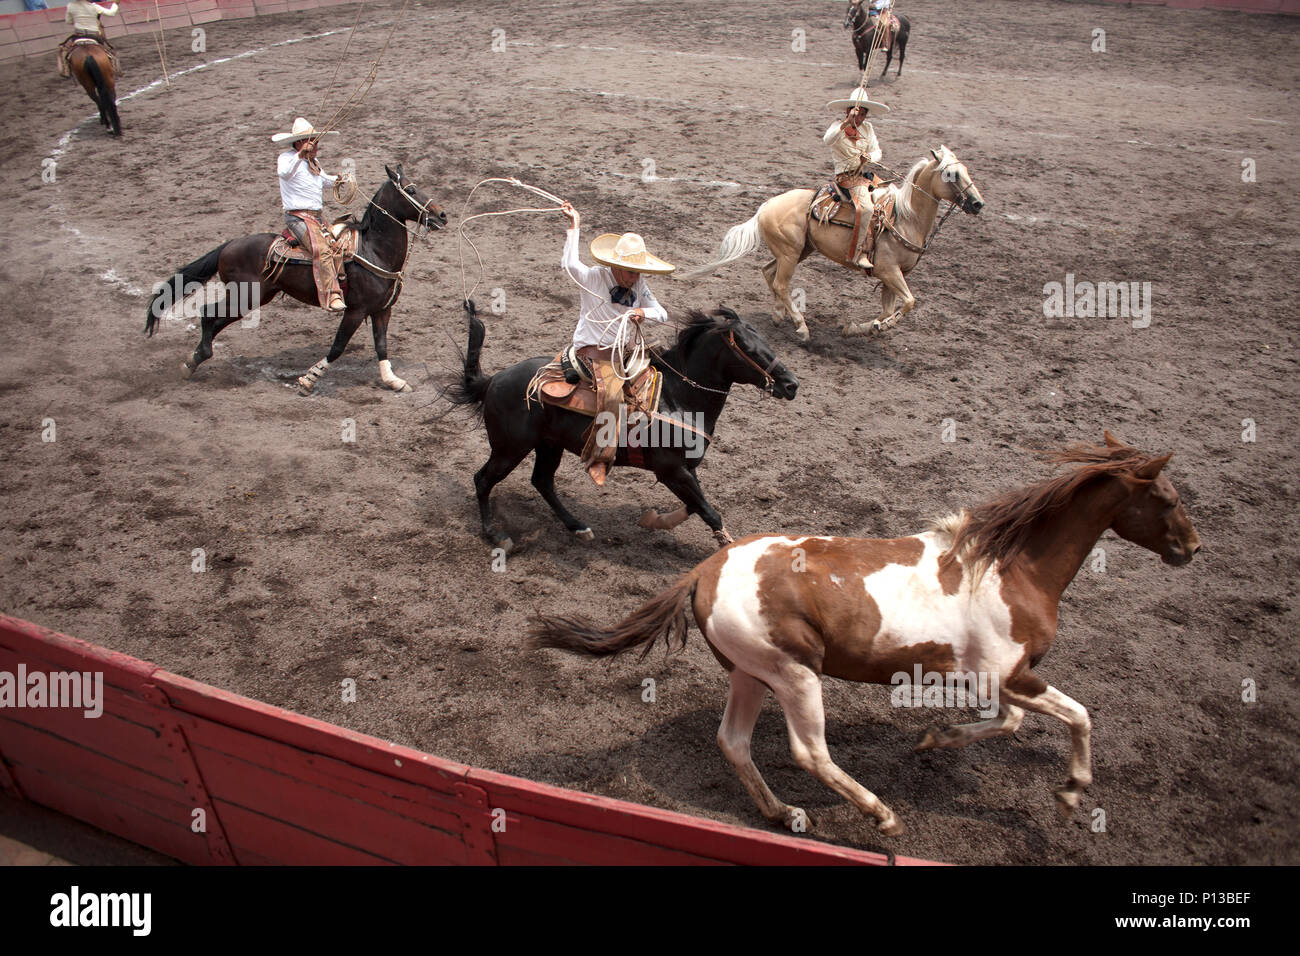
pixel 273 787
pixel 37 32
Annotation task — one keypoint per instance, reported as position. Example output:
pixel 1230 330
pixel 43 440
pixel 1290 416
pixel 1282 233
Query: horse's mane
pixel 698 323
pixel 997 531
pixel 904 199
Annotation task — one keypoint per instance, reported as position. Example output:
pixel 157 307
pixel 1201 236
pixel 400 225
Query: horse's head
pixel 745 358
pixel 952 182
pixel 417 207
pixel 853 15
pixel 1153 515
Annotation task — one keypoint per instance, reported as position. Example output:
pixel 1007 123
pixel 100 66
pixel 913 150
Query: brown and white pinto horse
pixel 792 235
pixel 90 64
pixel 977 594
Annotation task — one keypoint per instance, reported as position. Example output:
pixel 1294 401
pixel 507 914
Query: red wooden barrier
pixel 279 788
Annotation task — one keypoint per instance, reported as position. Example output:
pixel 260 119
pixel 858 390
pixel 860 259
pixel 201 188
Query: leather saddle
pixel 343 233
pixel 889 25
pixel 641 394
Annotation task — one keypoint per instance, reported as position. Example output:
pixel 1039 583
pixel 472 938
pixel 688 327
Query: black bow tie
pixel 621 295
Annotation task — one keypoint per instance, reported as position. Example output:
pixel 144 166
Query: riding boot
pixel 64 71
pixel 599 455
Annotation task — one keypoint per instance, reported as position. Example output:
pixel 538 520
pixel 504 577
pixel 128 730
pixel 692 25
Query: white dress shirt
pixel 850 154
pixel 84 15
pixel 598 321
pixel 300 188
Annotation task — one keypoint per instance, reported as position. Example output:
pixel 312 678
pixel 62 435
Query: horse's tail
pixel 102 96
pixel 663 617
pixel 739 241
pixel 473 384
pixel 200 270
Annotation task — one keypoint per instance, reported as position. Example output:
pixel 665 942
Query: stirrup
pixel 598 470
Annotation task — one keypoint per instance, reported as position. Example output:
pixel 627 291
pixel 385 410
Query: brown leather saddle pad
pixel 580 397
pixel 827 208
pixel 285 248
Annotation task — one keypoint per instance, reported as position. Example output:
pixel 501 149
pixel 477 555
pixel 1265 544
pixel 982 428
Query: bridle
pixel 422 222
pixel 769 382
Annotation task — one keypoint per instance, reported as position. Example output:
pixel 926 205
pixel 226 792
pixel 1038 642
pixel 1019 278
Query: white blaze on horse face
pixel 914 610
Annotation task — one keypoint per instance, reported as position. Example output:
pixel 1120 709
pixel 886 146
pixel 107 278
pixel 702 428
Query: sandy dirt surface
pixel 330 560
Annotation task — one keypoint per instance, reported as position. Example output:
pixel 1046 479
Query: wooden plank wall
pixel 37 32
pixel 278 788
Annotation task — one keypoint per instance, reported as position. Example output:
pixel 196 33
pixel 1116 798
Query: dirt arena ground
pixel 332 560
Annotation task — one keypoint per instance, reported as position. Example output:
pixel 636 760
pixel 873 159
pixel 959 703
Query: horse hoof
pixel 877 327
pixel 929 741
pixel 1067 801
pixel 187 370
pixel 891 826
pixel 796 820
pixel 585 534
pixel 649 519
pixel 801 333
pixel 506 545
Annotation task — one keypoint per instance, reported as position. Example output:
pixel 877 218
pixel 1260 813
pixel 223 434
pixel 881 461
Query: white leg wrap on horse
pixel 308 381
pixel 388 378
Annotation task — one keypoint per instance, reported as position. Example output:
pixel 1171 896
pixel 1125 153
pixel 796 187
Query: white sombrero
pixel 301 130
pixel 857 98
pixel 627 252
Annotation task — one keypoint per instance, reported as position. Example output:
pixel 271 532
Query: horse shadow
pixel 679 762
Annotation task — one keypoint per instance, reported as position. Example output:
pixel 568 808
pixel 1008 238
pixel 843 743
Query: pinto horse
pixel 712 353
pixel 977 595
pixel 374 278
pixel 91 66
pixel 864 36
pixel 792 234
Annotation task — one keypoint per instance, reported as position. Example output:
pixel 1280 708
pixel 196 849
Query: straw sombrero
pixel 301 130
pixel 857 98
pixel 627 252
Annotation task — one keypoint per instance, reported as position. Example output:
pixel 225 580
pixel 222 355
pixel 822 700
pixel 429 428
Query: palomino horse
pixel 977 595
pixel 712 353
pixel 374 278
pixel 784 223
pixel 90 64
pixel 864 36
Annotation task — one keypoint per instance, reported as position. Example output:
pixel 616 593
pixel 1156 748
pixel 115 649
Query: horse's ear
pixel 1151 469
pixel 400 172
pixel 934 153
pixel 1112 441
pixel 394 176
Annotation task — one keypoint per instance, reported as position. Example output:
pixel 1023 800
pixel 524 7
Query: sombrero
pixel 857 98
pixel 627 252
pixel 301 130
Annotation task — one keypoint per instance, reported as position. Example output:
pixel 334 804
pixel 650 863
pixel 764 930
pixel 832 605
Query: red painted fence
pixel 279 788
pixel 39 31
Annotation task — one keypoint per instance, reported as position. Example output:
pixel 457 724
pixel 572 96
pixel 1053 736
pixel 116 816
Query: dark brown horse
pixel 91 66
pixel 373 278
pixel 712 353
pixel 864 36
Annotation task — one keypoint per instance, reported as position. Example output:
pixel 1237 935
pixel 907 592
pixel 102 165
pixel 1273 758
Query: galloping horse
pixel 374 278
pixel 90 64
pixel 712 353
pixel 785 224
pixel 974 599
pixel 864 36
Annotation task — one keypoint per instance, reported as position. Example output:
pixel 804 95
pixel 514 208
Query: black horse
pixel 864 35
pixel 712 353
pixel 373 278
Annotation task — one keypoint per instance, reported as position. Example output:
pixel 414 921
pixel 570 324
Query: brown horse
pixel 974 601
pixel 784 223
pixel 864 36
pixel 91 66
pixel 374 279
